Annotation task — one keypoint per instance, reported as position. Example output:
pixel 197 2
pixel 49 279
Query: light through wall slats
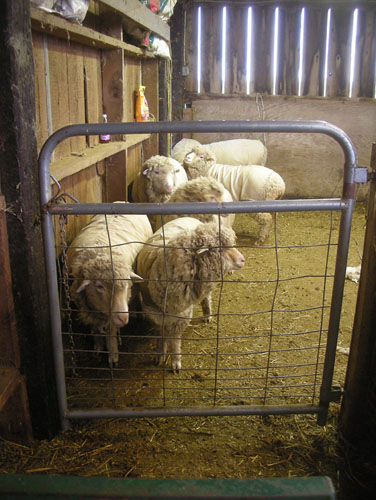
pixel 283 49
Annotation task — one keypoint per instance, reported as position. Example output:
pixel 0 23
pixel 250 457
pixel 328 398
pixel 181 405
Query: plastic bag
pixel 159 47
pixel 74 10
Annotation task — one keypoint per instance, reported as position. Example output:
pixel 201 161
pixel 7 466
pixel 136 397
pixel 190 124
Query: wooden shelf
pixel 90 156
pixel 137 12
pixel 57 26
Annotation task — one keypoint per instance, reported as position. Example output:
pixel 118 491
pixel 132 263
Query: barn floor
pixel 236 446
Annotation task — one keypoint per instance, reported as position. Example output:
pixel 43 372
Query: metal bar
pixel 335 312
pixel 298 126
pixel 54 305
pixel 193 411
pixel 199 208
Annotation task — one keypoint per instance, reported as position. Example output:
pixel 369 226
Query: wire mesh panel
pixel 261 346
pixel 259 350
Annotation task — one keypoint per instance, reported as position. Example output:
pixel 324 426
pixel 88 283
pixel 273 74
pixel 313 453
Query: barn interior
pixel 272 387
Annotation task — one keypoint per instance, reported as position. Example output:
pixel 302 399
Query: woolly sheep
pixel 157 180
pixel 100 260
pixel 201 189
pixel 191 255
pixel 230 152
pixel 244 182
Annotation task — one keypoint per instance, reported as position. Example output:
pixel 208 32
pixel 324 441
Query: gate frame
pixel 345 205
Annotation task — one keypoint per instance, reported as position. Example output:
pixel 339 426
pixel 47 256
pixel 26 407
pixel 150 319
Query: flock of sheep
pixel 176 265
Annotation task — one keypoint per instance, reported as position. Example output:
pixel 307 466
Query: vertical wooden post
pixel 19 185
pixel 113 104
pixel 357 418
pixel 178 60
pixel 164 68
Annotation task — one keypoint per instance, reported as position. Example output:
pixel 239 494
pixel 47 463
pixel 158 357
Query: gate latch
pixel 361 175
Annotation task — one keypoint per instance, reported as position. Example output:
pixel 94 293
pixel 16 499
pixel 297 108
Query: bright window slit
pixel 249 50
pixel 275 49
pixel 353 51
pixel 224 27
pixel 301 51
pixel 327 45
pixel 199 50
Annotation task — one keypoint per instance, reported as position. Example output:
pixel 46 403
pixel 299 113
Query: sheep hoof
pixel 176 366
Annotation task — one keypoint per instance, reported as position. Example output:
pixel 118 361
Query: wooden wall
pixel 311 164
pixel 262 47
pixel 82 72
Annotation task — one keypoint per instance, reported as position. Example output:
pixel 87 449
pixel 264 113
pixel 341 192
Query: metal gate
pixel 250 387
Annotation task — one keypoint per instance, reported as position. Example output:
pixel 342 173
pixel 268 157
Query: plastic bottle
pixel 142 107
pixel 103 138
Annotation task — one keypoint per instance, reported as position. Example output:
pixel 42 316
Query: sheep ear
pixel 135 277
pixel 83 285
pixel 146 171
pixel 201 250
pixel 189 157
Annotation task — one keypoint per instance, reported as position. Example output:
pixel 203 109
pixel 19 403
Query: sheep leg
pixel 265 221
pixel 99 337
pixel 112 347
pixel 169 347
pixel 206 308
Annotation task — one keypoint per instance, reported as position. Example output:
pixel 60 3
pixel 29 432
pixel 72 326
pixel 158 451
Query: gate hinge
pixel 362 175
pixel 334 396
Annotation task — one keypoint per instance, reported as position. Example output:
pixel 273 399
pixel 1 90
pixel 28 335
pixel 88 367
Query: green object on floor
pixel 32 487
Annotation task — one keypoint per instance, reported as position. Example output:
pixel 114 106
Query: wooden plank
pixel 132 77
pixel 93 91
pixel 61 28
pixel 211 49
pixel 113 75
pixel 150 78
pixel 9 353
pixel 76 92
pixel 137 12
pixel 236 49
pixel 58 78
pixel 75 163
pixel 134 164
pixel 40 91
pixel 116 188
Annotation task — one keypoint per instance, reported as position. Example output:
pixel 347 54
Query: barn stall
pixel 253 362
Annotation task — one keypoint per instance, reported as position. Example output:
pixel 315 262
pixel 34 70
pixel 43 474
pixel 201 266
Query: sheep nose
pixel 120 319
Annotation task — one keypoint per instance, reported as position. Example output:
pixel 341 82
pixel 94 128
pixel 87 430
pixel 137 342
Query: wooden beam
pixel 361 368
pixel 61 28
pixel 20 187
pixel 137 12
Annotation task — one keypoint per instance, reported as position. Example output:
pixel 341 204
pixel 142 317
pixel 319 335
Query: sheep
pixel 157 180
pixel 100 260
pixel 180 264
pixel 201 189
pixel 230 152
pixel 244 182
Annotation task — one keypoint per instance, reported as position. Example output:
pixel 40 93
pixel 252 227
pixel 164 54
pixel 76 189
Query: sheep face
pixel 163 174
pixel 232 260
pixel 107 298
pixel 197 162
